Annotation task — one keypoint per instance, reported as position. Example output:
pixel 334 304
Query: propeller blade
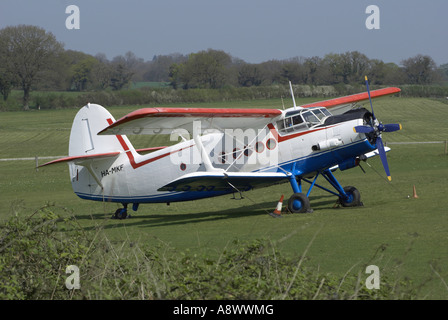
pixel 363 129
pixel 392 127
pixel 370 99
pixel 382 152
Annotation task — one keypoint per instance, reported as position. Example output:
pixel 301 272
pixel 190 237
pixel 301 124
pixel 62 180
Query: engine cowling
pixel 327 144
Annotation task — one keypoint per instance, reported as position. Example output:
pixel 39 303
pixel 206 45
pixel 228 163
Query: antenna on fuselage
pixel 292 94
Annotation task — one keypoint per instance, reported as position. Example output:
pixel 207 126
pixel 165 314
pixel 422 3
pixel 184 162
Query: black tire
pixel 354 197
pixel 120 214
pixel 299 203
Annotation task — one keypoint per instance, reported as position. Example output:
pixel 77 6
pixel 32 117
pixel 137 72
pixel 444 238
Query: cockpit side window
pixel 297 120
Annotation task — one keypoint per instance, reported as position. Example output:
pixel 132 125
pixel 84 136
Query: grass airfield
pixel 403 236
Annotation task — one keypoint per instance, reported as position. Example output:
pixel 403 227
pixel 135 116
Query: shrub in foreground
pixel 35 251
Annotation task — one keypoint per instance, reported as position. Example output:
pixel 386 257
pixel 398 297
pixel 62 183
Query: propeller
pixel 377 128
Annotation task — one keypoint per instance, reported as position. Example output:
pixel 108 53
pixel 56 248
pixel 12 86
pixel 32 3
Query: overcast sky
pixel 252 30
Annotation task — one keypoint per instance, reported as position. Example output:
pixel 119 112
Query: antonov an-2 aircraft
pixel 231 150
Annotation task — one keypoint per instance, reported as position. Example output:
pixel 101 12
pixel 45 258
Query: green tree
pixel 175 74
pixel 357 66
pixel 101 72
pixel 420 69
pixel 6 83
pixel 249 75
pixel 159 69
pixel 28 51
pixel 311 70
pixel 294 71
pixel 120 76
pixel 82 73
pixel 443 71
pixel 333 63
pixel 205 69
pixel 271 72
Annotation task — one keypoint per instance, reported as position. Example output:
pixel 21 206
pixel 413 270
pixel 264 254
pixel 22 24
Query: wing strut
pixel 204 156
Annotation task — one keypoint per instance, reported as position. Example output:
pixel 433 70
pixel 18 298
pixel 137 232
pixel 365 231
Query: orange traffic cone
pixel 278 210
pixel 415 196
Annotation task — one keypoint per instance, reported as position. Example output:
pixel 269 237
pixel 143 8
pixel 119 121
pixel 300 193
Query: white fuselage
pixel 135 178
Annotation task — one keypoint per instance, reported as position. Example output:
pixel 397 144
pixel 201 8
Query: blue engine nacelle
pixel 348 163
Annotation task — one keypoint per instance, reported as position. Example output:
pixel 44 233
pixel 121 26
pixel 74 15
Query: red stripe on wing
pixel 353 98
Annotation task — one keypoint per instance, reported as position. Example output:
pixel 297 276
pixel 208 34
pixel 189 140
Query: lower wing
pixel 224 181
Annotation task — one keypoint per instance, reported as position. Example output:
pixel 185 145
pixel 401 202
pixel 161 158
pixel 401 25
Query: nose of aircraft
pixel 377 128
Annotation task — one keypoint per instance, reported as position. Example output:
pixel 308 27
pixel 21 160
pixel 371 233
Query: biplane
pixel 223 150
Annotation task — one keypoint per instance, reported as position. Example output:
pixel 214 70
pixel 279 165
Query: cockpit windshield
pixel 310 118
pixel 302 119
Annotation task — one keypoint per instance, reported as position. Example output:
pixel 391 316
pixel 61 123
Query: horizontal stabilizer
pixel 82 158
pixel 224 181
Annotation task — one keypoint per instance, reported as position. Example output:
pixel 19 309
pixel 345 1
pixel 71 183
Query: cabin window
pixel 271 144
pixel 259 147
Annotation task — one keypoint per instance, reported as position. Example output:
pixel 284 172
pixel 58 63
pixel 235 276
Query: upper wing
pixel 164 120
pixel 342 104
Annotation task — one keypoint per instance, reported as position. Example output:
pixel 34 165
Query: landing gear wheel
pixel 120 214
pixel 299 203
pixel 354 197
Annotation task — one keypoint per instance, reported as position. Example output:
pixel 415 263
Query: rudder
pixel 84 138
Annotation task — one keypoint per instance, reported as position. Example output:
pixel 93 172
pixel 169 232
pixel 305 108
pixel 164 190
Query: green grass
pixel 405 237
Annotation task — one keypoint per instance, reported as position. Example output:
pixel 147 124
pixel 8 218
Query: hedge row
pixel 156 96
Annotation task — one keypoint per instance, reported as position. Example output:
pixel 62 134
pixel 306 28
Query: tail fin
pixel 88 150
pixel 84 139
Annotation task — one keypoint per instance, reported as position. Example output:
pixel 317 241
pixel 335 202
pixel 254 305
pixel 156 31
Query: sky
pixel 252 30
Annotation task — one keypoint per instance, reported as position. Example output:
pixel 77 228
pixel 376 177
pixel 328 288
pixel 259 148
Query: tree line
pixel 33 59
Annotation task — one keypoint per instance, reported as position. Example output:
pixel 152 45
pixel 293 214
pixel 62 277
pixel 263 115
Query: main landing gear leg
pixel 300 203
pixel 348 196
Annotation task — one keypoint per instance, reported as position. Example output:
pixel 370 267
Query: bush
pixel 35 251
pixel 428 91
